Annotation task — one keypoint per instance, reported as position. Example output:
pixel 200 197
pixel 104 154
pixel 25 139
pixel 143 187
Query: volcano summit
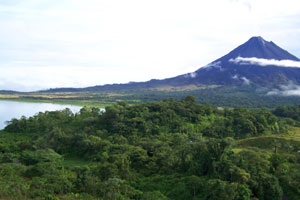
pixel 257 62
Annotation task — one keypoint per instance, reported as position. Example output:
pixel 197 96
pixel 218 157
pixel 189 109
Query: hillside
pixel 159 150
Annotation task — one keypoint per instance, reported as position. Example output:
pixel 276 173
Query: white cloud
pixel 245 81
pixel 191 75
pixel 216 65
pixel 37 78
pixel 290 89
pixel 139 39
pixel 235 77
pixel 265 62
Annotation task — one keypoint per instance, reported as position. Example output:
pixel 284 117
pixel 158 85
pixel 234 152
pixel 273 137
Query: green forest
pixel 163 150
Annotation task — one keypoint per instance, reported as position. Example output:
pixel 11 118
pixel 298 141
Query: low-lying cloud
pixel 244 79
pixel 286 90
pixel 191 75
pixel 264 62
pixel 235 77
pixel 216 65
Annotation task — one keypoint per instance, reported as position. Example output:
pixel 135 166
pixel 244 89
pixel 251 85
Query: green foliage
pixel 218 189
pixel 155 195
pixel 159 150
pixel 11 183
pixel 34 157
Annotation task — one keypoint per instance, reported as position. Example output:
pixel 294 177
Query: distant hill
pixel 8 92
pixel 257 62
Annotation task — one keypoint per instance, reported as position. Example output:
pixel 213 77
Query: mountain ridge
pixel 223 71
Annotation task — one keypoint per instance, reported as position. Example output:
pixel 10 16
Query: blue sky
pixel 78 43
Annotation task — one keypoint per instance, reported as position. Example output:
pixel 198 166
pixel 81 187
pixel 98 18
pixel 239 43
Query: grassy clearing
pixel 74 162
pixel 89 99
pixel 184 88
pixel 281 143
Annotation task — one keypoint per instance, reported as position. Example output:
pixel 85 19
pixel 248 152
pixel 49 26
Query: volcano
pixel 257 62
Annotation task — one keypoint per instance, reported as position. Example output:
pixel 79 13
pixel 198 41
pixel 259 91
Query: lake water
pixel 11 109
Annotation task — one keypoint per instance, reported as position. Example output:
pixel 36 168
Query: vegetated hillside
pixel 236 96
pixel 159 150
pixel 233 97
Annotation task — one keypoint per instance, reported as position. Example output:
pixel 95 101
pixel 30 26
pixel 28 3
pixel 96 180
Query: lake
pixel 12 109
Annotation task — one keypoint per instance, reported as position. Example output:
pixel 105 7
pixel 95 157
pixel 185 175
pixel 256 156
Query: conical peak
pixel 257 38
pixel 258 41
pixel 259 48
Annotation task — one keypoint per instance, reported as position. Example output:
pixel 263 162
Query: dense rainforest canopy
pixel 158 150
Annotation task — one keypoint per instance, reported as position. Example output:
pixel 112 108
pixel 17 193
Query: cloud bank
pixel 265 62
pixel 286 90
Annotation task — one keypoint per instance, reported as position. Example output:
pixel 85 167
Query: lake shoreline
pixel 59 102
pixel 16 109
